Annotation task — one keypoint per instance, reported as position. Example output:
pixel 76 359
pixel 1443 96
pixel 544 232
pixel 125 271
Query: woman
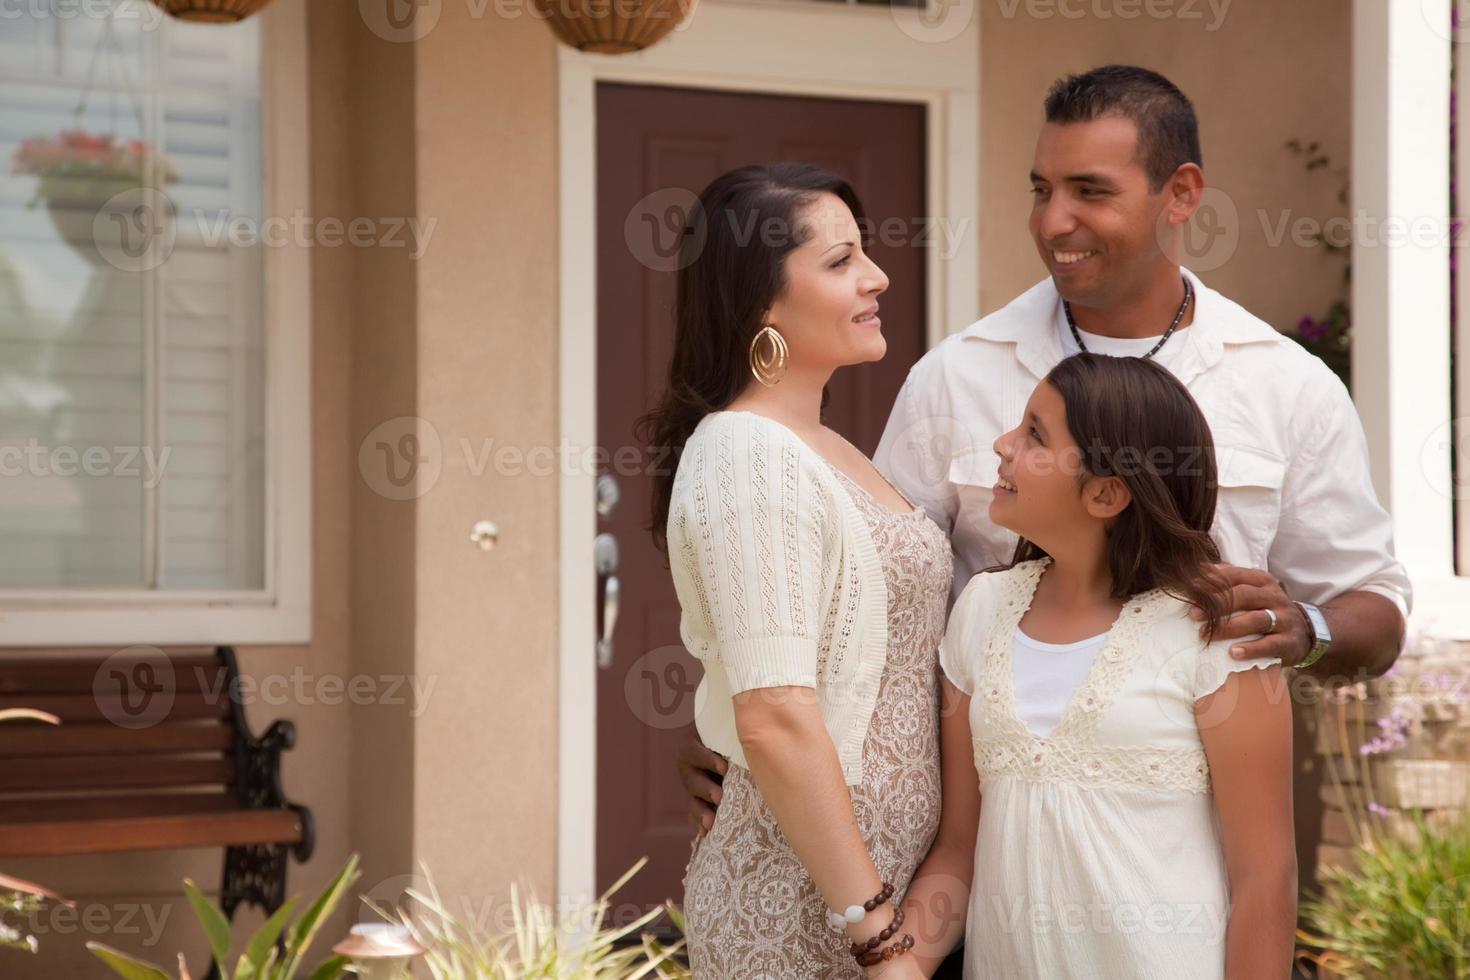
pixel 1137 817
pixel 811 590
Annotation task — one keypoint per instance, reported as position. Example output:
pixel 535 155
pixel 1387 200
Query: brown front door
pixel 655 147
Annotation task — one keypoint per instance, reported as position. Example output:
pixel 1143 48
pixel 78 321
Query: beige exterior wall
pixel 363 164
pixel 485 755
pixel 460 129
pixel 1269 72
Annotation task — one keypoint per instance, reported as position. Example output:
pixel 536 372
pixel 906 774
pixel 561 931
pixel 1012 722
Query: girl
pixel 1137 817
pixel 812 591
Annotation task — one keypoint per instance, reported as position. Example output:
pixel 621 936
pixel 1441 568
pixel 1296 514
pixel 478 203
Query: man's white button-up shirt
pixel 1295 497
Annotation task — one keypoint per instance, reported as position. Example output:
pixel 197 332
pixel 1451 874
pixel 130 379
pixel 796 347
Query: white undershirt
pixel 1046 674
pixel 1119 347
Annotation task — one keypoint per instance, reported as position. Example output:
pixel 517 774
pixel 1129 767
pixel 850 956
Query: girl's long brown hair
pixel 732 266
pixel 1134 420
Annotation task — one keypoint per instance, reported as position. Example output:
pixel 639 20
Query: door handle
pixel 605 556
pixel 610 598
pixel 608 495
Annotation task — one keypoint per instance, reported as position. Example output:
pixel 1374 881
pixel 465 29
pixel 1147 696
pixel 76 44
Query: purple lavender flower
pixel 1378 809
pixel 1393 733
pixel 1311 330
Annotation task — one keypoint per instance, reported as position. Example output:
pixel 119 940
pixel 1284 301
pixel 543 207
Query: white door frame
pixel 793 47
pixel 1400 294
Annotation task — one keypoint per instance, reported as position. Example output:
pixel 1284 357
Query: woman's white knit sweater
pixel 778 580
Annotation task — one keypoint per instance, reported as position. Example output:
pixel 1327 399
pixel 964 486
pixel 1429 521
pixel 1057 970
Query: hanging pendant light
pixel 613 26
pixel 211 11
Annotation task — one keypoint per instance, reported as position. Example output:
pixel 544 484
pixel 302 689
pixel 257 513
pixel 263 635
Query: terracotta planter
pixel 613 26
pixel 211 11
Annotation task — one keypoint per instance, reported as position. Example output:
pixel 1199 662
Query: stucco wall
pixel 485 756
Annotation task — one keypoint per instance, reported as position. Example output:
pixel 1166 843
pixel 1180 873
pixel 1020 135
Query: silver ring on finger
pixel 1272 627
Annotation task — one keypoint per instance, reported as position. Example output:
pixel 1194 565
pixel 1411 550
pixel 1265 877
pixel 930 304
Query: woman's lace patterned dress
pixel 753 911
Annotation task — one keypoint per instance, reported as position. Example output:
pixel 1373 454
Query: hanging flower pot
pixel 80 176
pixel 613 26
pixel 211 11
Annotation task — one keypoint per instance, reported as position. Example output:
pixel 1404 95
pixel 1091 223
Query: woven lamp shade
pixel 613 26
pixel 211 11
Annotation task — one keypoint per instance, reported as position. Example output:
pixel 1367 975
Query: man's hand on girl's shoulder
pixel 1252 593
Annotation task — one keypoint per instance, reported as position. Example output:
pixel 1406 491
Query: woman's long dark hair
pixel 1134 420
pixel 732 266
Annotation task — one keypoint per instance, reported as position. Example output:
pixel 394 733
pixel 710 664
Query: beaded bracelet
pixel 887 952
pixel 858 949
pixel 855 913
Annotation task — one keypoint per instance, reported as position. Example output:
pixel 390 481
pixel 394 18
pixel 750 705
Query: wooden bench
pixel 153 753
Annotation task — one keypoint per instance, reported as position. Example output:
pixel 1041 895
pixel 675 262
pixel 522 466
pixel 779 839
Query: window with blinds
pixel 132 353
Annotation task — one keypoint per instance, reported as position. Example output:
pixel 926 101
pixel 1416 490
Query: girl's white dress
pixel 1099 851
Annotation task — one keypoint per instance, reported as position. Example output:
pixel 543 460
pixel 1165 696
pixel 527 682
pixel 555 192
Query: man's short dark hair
pixel 1168 133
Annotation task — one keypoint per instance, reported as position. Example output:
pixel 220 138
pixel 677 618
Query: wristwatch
pixel 1321 634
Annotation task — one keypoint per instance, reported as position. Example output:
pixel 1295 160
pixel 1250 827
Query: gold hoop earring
pixel 770 368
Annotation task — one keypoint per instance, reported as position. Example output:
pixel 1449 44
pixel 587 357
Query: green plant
pixel 21 899
pixel 263 958
pixel 578 946
pixel 1401 911
pixel 18 897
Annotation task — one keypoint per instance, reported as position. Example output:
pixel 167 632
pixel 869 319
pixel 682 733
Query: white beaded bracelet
pixel 853 915
pixel 856 913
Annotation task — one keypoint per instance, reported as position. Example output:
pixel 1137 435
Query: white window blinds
pixel 132 387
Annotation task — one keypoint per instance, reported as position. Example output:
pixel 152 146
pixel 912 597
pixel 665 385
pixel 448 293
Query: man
pixel 1308 551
